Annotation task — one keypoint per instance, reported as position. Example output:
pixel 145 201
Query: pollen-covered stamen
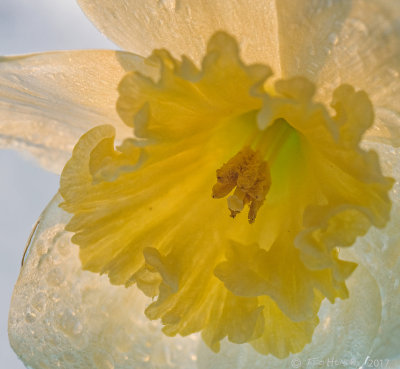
pixel 250 174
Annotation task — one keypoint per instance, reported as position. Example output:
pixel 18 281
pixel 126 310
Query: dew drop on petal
pixel 55 277
pixel 333 39
pixel 68 322
pixel 63 245
pixel 170 5
pixel 358 25
pixel 38 301
pixel 41 248
pixel 103 360
pixel 30 316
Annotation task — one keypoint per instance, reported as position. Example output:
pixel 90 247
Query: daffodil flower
pixel 233 203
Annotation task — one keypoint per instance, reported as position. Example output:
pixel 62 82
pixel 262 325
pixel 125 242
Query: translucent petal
pixel 329 42
pixel 355 42
pixel 61 316
pixel 184 26
pixel 304 33
pixel 47 101
pixel 379 251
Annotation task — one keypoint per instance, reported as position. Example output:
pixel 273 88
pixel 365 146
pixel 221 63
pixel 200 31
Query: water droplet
pixel 394 73
pixel 170 5
pixel 333 38
pixel 122 342
pixel 103 360
pixel 69 357
pixel 41 248
pixel 55 297
pixel 52 340
pixel 30 316
pixel 64 245
pixel 43 365
pixel 358 25
pixel 56 259
pixel 188 11
pixel 69 323
pixel 193 357
pixel 55 277
pixel 147 18
pixel 161 356
pixel 38 301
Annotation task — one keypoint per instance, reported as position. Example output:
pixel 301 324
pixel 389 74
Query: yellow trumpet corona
pixel 142 211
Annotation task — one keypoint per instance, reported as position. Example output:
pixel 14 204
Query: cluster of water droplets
pixel 63 317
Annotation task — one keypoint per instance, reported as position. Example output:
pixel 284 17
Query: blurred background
pixel 28 26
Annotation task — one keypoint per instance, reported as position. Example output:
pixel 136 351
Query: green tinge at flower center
pixel 249 171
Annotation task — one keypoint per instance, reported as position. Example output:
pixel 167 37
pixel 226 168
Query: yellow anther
pixel 250 174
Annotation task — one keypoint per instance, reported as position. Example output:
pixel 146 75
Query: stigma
pixel 248 176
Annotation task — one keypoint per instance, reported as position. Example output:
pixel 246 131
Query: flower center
pixel 250 175
pixel 248 172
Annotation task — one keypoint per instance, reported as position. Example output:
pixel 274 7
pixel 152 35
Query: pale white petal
pixel 306 33
pixel 346 41
pixel 329 41
pixel 379 251
pixel 63 317
pixel 185 26
pixel 47 101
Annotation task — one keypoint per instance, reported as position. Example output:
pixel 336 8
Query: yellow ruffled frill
pixel 143 212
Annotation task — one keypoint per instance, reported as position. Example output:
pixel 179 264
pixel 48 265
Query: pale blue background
pixel 29 26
